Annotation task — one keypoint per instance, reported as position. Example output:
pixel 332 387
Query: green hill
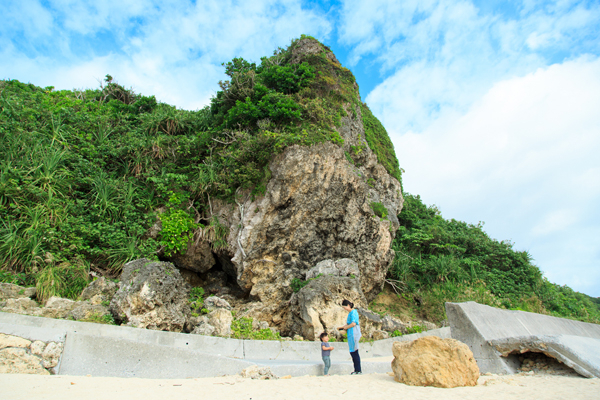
pixel 83 174
pixel 440 260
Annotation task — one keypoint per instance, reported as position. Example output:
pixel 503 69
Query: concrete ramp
pixel 118 351
pixel 116 357
pixel 495 336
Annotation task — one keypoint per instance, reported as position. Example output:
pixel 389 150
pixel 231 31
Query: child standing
pixel 325 350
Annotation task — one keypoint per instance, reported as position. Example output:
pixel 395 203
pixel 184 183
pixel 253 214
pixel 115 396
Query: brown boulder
pixel 431 361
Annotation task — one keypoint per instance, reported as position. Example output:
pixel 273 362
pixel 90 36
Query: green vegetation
pixel 380 142
pixel 196 301
pixel 297 284
pixel 439 260
pixel 379 210
pixel 242 329
pixel 100 319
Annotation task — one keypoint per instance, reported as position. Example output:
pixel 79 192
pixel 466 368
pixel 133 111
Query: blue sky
pixel 493 106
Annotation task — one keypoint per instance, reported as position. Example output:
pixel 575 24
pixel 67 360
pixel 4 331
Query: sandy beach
pixel 368 386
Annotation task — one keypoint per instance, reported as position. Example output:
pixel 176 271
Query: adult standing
pixel 352 328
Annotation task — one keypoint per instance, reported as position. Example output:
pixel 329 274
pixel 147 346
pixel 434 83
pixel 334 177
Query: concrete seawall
pixel 118 351
pixel 495 336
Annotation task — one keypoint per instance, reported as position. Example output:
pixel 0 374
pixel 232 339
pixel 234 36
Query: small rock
pixel 298 338
pixel 100 290
pixel 89 312
pixel 37 347
pixel 256 372
pixel 258 325
pixel 221 319
pixel 22 305
pixel 392 324
pixel 213 302
pixel 380 335
pixel 205 329
pixel 12 291
pixel 51 354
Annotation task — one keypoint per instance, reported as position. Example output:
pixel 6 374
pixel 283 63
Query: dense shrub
pixel 440 260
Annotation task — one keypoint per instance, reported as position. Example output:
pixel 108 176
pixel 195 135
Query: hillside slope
pixel 86 174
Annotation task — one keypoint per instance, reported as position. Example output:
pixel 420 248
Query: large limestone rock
pixel 431 361
pixel 316 308
pixel 318 205
pixel 151 295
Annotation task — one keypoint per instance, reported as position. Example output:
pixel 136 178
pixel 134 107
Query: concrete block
pixel 116 357
pixel 577 352
pixel 486 329
pixel 39 328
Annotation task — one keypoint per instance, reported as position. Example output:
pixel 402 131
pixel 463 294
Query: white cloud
pixel 448 53
pixel 171 49
pixel 523 158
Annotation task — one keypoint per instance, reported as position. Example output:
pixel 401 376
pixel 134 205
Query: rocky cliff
pixel 327 201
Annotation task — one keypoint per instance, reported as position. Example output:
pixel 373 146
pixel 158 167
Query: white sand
pixel 369 386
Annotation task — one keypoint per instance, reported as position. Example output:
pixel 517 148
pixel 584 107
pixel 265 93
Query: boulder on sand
pixel 431 361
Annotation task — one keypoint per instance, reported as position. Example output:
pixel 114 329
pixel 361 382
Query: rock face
pixel 317 207
pixel 431 361
pixel 151 295
pixel 316 308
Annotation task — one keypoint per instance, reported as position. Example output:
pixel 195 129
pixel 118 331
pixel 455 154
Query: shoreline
pixel 381 386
